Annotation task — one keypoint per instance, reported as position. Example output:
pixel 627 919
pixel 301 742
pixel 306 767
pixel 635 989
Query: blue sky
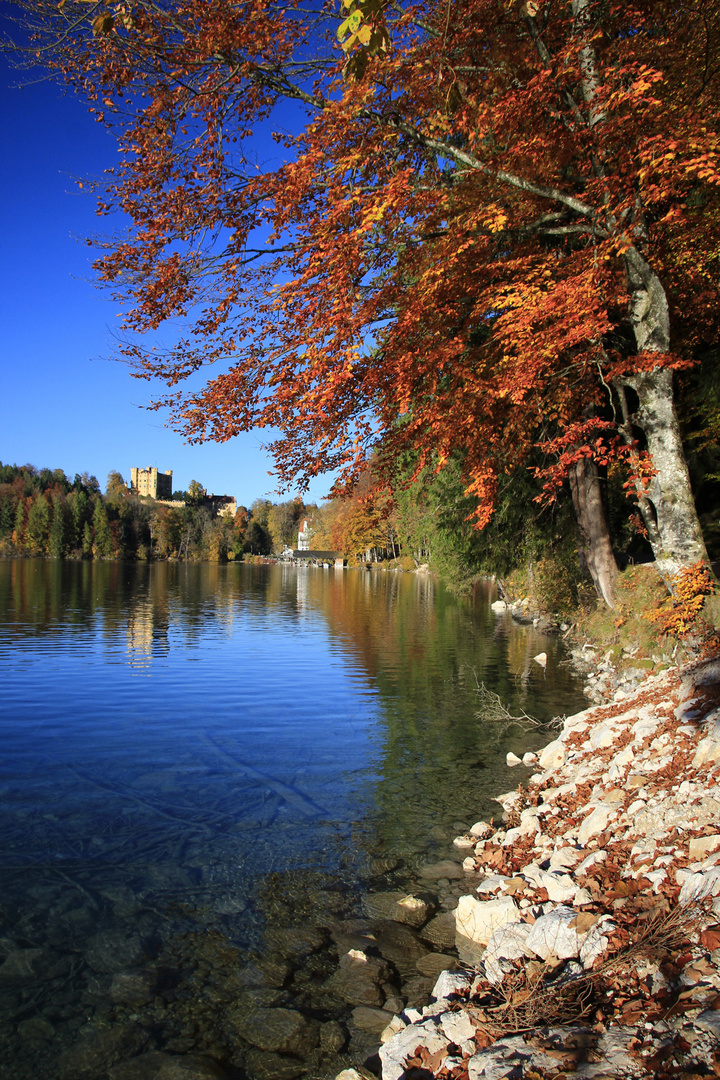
pixel 62 405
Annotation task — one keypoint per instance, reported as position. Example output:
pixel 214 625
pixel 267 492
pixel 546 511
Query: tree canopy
pixel 491 227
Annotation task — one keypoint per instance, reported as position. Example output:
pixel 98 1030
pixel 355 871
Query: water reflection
pixel 204 769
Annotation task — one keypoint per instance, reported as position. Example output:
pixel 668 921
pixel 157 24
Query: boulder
pixel 400 945
pixel 506 943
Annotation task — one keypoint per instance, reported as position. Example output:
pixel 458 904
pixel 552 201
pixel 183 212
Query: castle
pixel 158 485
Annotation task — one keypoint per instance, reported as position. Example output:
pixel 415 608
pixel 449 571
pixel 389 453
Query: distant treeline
pixel 45 513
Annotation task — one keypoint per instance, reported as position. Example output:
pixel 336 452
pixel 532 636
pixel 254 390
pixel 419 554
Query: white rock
pixel 499 607
pixel 560 887
pixel 477 919
pixel 596 941
pixel 551 935
pixel 512 759
pixel 644 728
pixel 491 884
pixel 709 1021
pixel 396 1024
pixel 465 843
pixel 459 1029
pixel 595 823
pixel 708 749
pixel 468 864
pixel 656 877
pixel 481 830
pixel 541 659
pixel 529 758
pixel 552 756
pixel 349 1074
pixel 701 884
pixel 394 1052
pixel 506 943
pixel 700 846
pixel 509 800
pixel 565 858
pixel 603 735
pixel 449 984
pixel 582 897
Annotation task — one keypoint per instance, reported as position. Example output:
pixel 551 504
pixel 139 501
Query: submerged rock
pixel 276 1030
pixel 401 907
pixel 98 1052
pixel 359 978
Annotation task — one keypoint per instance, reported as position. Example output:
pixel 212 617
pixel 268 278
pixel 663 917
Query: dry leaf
pixel 710 938
pixel 583 922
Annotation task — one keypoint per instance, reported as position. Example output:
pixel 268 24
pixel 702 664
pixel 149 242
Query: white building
pixel 305 536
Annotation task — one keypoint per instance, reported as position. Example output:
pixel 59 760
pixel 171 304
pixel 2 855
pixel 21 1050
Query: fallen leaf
pixel 710 938
pixel 583 922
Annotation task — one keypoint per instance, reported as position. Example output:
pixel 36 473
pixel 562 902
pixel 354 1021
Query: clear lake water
pixel 205 770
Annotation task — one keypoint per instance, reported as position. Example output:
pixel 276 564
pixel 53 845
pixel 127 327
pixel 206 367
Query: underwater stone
pixel 114 951
pixel 96 1053
pixel 276 1030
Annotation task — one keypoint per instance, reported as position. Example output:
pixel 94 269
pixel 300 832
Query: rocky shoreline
pixel 590 942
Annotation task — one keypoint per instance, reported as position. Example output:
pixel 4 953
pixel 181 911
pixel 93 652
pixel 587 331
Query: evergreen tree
pixel 6 517
pixel 103 539
pixel 19 529
pixel 38 526
pixel 57 544
pixel 80 514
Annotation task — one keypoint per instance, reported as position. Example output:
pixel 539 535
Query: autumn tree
pixel 116 488
pixel 195 493
pixel 493 227
pixel 282 523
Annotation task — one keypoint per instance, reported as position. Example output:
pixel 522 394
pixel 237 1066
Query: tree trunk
pixel 594 533
pixel 673 529
pixel 666 503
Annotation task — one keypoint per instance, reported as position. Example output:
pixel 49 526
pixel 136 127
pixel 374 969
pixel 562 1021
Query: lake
pixel 206 771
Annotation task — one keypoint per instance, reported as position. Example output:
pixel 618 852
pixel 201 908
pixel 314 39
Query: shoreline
pixel 591 944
